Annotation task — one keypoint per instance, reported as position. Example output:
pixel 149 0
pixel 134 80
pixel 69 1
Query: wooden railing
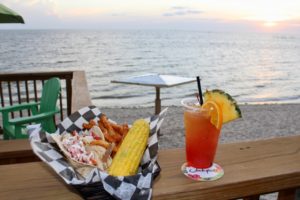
pixel 18 88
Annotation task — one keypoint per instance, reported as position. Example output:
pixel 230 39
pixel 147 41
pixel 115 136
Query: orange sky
pixel 265 15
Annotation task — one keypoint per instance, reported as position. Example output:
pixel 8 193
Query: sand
pixel 258 122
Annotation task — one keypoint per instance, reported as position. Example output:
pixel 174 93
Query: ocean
pixel 255 68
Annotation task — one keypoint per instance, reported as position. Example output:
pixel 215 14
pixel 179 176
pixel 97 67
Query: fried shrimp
pixel 89 125
pixel 104 133
pixel 107 124
pixel 121 129
pixel 104 144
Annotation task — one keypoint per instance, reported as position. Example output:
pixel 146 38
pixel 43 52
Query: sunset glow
pixel 270 19
pixel 270 24
pixel 206 14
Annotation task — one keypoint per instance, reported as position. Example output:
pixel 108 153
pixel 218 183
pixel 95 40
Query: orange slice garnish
pixel 214 112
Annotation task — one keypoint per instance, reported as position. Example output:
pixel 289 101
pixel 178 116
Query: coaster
pixel 208 174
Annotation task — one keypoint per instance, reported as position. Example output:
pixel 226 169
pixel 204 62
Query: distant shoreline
pixel 165 106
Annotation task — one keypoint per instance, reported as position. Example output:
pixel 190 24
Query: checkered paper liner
pixel 98 184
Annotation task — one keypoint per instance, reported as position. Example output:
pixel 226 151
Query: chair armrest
pixel 33 118
pixel 17 107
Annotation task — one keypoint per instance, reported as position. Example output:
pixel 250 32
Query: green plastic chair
pixel 15 128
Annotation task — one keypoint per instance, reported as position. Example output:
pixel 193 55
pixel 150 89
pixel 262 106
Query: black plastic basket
pixel 96 191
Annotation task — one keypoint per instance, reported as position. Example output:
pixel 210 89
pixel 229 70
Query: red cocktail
pixel 201 135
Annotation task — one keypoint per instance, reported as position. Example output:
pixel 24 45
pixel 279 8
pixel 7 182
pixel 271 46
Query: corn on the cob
pixel 128 157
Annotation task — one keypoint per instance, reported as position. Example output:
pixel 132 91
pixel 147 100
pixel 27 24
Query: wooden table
pixel 16 151
pixel 251 168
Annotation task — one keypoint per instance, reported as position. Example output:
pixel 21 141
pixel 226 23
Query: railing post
pixel 1 94
pixel 254 197
pixel 287 194
pixel 80 92
pixel 69 94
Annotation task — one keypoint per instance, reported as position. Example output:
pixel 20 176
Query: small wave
pixel 273 99
pixel 107 73
pixel 128 65
pixel 137 58
pixel 117 97
pixel 67 61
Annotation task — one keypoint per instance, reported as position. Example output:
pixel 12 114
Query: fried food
pixel 100 142
pixel 105 144
pixel 89 125
pixel 105 133
pixel 122 128
pixel 107 125
pixel 112 132
pixel 94 146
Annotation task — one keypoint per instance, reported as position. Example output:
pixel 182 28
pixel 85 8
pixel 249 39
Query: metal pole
pixel 157 105
pixel 157 101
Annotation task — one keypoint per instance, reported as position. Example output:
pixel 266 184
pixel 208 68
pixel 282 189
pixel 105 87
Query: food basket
pixel 98 184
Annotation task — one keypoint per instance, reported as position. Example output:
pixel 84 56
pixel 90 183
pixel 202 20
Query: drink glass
pixel 201 135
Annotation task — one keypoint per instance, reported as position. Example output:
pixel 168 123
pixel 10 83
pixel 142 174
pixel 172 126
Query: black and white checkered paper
pixel 97 183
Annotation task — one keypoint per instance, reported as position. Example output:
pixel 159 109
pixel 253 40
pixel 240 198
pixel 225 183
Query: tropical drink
pixel 202 130
pixel 201 134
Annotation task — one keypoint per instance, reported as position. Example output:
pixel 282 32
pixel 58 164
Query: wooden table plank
pixel 16 151
pixel 250 168
pixel 32 181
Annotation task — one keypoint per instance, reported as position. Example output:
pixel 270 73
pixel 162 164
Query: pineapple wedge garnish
pixel 228 105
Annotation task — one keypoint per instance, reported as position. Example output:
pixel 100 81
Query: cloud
pixel 181 11
pixel 119 14
pixel 178 8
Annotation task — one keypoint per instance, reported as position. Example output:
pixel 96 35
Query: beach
pixel 257 122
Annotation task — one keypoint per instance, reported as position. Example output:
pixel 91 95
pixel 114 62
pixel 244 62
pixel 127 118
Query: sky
pixel 206 15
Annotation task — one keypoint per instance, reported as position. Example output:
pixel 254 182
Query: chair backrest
pixel 50 93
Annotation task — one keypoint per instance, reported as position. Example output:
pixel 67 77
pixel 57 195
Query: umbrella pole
pixel 157 101
pixel 157 105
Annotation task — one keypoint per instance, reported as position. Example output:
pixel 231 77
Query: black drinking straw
pixel 200 91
